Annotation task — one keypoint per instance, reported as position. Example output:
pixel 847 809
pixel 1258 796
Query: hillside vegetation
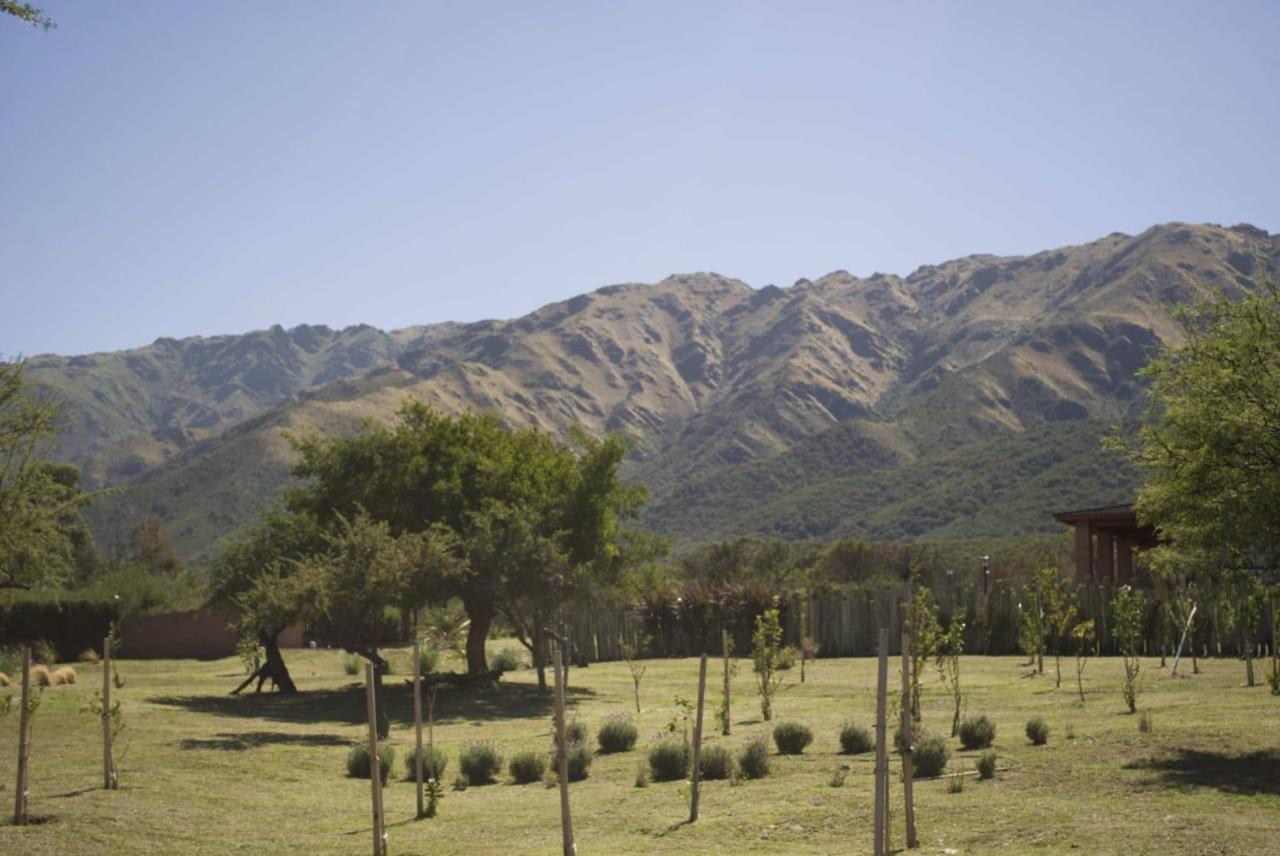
pixel 965 399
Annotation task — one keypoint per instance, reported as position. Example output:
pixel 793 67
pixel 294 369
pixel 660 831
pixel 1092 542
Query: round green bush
pixel 930 757
pixel 358 761
pixel 753 760
pixel 791 737
pixel 715 762
pixel 428 659
pixel 434 762
pixel 578 761
pixel 617 734
pixel 986 764
pixel 855 740
pixel 574 732
pixel 977 732
pixel 479 762
pixel 527 766
pixel 1038 731
pixel 508 660
pixel 669 759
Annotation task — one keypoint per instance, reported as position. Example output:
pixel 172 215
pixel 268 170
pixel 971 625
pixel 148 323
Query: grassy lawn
pixel 207 773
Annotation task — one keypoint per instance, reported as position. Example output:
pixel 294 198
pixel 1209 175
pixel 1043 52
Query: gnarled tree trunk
pixel 480 611
pixel 272 669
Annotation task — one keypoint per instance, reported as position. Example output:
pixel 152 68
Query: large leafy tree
pixel 40 502
pixel 1210 443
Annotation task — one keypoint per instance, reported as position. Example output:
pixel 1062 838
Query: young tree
pixel 950 647
pixel 634 665
pixel 922 619
pixel 1057 599
pixel 1128 612
pixel 766 655
pixel 1082 634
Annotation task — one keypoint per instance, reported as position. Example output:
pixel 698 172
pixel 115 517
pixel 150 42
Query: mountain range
pixel 966 399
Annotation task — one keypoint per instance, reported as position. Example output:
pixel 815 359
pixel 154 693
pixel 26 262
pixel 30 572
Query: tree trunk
pixel 539 655
pixel 380 668
pixel 275 666
pixel 480 611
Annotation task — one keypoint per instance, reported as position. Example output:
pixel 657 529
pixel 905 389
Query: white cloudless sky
pixel 172 169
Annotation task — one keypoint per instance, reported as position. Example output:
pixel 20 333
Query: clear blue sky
pixel 179 168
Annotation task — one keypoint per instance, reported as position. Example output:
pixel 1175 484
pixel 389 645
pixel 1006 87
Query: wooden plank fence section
pixel 846 624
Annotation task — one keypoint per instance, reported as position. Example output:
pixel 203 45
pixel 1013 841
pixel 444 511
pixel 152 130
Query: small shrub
pixel 669 759
pixel 40 676
pixel 578 760
pixel 428 659
pixel 434 760
pixel 986 764
pixel 527 766
pixel 955 785
pixel 977 732
pixel 90 656
pixel 715 763
pixel 791 738
pixel 358 761
pixel 786 659
pixel 508 660
pixel 351 663
pixel 479 762
pixel 1038 731
pixel 855 740
pixel 63 676
pixel 44 652
pixel 617 734
pixel 930 757
pixel 753 760
pixel 574 732
pixel 642 775
pixel 1145 723
pixel 838 777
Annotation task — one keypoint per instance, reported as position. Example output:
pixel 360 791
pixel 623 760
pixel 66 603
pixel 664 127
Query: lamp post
pixel 986 573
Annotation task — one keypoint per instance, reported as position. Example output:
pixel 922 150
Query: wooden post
pixel 562 760
pixel 726 642
pixel 1191 616
pixel 109 781
pixel 20 797
pixel 882 757
pixel 417 721
pixel 375 764
pixel 697 740
pixel 909 814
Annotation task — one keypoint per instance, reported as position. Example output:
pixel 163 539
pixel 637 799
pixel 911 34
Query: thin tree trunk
pixel 539 655
pixel 481 612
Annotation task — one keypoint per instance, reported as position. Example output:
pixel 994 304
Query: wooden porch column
pixel 1124 561
pixel 1084 552
pixel 1104 560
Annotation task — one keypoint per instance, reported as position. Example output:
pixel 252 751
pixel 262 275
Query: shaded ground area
pixel 1250 773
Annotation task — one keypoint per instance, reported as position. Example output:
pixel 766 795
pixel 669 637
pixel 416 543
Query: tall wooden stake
pixel 697 740
pixel 882 756
pixel 562 759
pixel 109 781
pixel 727 643
pixel 417 722
pixel 20 797
pixel 910 813
pixel 375 763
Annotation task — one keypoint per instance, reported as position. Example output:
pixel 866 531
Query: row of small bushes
pixel 508 660
pixel 671 759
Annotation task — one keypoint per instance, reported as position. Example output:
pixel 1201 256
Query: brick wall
pixel 195 635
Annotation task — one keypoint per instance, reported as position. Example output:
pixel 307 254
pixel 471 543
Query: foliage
pixel 669 759
pixel 753 760
pixel 766 654
pixel 69 624
pixel 574 732
pixel 986 764
pixel 26 12
pixel 950 645
pixel 723 705
pixel 929 757
pixel 955 785
pixel 578 758
pixel 479 762
pixel 1038 731
pixel 635 666
pixel 358 761
pixel 508 660
pixel 1056 597
pixel 616 734
pixel 44 652
pixel 352 664
pixel 1209 443
pixel 855 740
pixel 977 732
pixel 435 761
pixel 922 619
pixel 1082 635
pixel 791 738
pixel 1128 611
pixel 527 766
pixel 715 762
pixel 428 659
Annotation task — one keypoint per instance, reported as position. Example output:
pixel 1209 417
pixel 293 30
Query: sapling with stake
pixel 766 655
pixel 636 667
pixel 1082 633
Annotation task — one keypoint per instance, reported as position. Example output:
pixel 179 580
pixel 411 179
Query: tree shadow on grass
pixel 347 705
pixel 1254 773
pixel 229 742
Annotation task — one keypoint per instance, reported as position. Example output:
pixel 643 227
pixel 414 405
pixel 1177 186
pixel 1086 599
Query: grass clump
pixel 434 762
pixel 791 738
pixel 986 764
pixel 578 758
pixel 617 734
pixel 41 677
pixel 479 763
pixel 527 766
pixel 855 740
pixel 930 757
pixel 753 760
pixel 358 761
pixel 43 651
pixel 715 763
pixel 351 664
pixel 1038 731
pixel 642 775
pixel 574 732
pixel 955 785
pixel 90 656
pixel 428 659
pixel 1145 723
pixel 63 676
pixel 977 732
pixel 508 660
pixel 669 759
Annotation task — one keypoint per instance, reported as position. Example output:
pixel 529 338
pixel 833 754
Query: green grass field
pixel 203 772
